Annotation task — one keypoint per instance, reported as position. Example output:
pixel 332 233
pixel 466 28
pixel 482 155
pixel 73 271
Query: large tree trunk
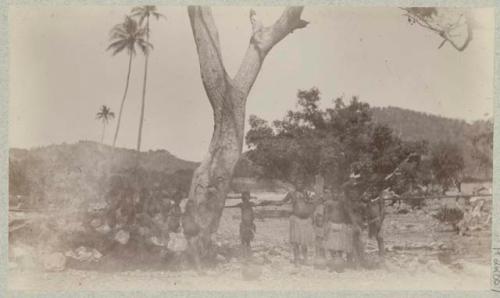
pixel 227 97
pixel 123 101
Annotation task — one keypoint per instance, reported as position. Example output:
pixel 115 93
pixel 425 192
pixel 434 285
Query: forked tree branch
pixel 206 36
pixel 262 41
pixel 215 79
pixel 443 32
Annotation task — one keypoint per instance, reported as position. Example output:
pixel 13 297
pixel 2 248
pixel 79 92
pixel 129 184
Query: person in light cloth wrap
pixel 338 230
pixel 301 226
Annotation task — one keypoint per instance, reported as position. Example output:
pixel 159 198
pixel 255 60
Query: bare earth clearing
pixel 422 254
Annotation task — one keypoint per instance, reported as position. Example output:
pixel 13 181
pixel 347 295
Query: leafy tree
pixel 143 13
pixel 333 143
pixel 19 183
pixel 447 164
pixel 480 137
pixel 104 115
pixel 126 37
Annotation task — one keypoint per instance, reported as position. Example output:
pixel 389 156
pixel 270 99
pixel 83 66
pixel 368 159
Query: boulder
pixel 177 242
pixel 122 237
pixel 84 254
pixel 54 262
pixel 23 255
pixel 96 223
pixel 220 258
pixel 103 229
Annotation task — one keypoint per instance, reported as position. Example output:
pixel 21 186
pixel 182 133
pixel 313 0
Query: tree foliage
pixel 474 139
pixel 333 142
pixel 128 36
pixel 447 164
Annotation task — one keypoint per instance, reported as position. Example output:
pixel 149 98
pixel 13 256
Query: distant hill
pixel 71 174
pixel 412 126
pixel 88 154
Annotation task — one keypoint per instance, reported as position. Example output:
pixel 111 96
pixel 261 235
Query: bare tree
pixel 227 96
pixel 452 24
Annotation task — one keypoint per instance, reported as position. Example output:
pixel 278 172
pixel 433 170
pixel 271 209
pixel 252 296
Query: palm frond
pixel 118 35
pixel 105 114
pixel 145 11
pixel 142 17
pixel 158 15
pixel 145 46
pixel 125 36
pixel 137 10
pixel 118 46
pixel 131 49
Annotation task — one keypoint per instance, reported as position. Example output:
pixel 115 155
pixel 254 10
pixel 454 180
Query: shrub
pixel 449 216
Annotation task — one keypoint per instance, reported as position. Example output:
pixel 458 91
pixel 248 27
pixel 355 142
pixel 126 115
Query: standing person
pixel 338 231
pixel 191 231
pixel 319 227
pixel 301 227
pixel 353 207
pixel 175 213
pixel 247 225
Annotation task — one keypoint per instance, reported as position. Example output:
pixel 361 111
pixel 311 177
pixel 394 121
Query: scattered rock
pixel 122 237
pixel 220 258
pixel 445 257
pixel 157 241
pixel 95 223
pixel 434 267
pixel 103 229
pixel 54 262
pixel 177 242
pixel 23 255
pixel 97 206
pixel 251 272
pixel 84 254
pixel 72 226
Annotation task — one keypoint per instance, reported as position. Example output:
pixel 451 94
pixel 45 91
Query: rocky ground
pixel 421 254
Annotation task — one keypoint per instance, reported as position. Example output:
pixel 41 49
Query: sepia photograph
pixel 311 148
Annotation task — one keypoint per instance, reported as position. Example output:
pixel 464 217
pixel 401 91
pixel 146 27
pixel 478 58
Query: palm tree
pixel 126 36
pixel 104 115
pixel 143 13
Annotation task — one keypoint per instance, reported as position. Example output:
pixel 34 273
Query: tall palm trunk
pixel 146 59
pixel 103 130
pixel 123 101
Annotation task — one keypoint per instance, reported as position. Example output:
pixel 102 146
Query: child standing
pixel 247 225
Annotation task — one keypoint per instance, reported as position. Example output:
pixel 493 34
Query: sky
pixel 60 72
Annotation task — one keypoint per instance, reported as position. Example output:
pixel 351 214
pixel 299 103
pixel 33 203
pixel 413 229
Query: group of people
pixel 329 221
